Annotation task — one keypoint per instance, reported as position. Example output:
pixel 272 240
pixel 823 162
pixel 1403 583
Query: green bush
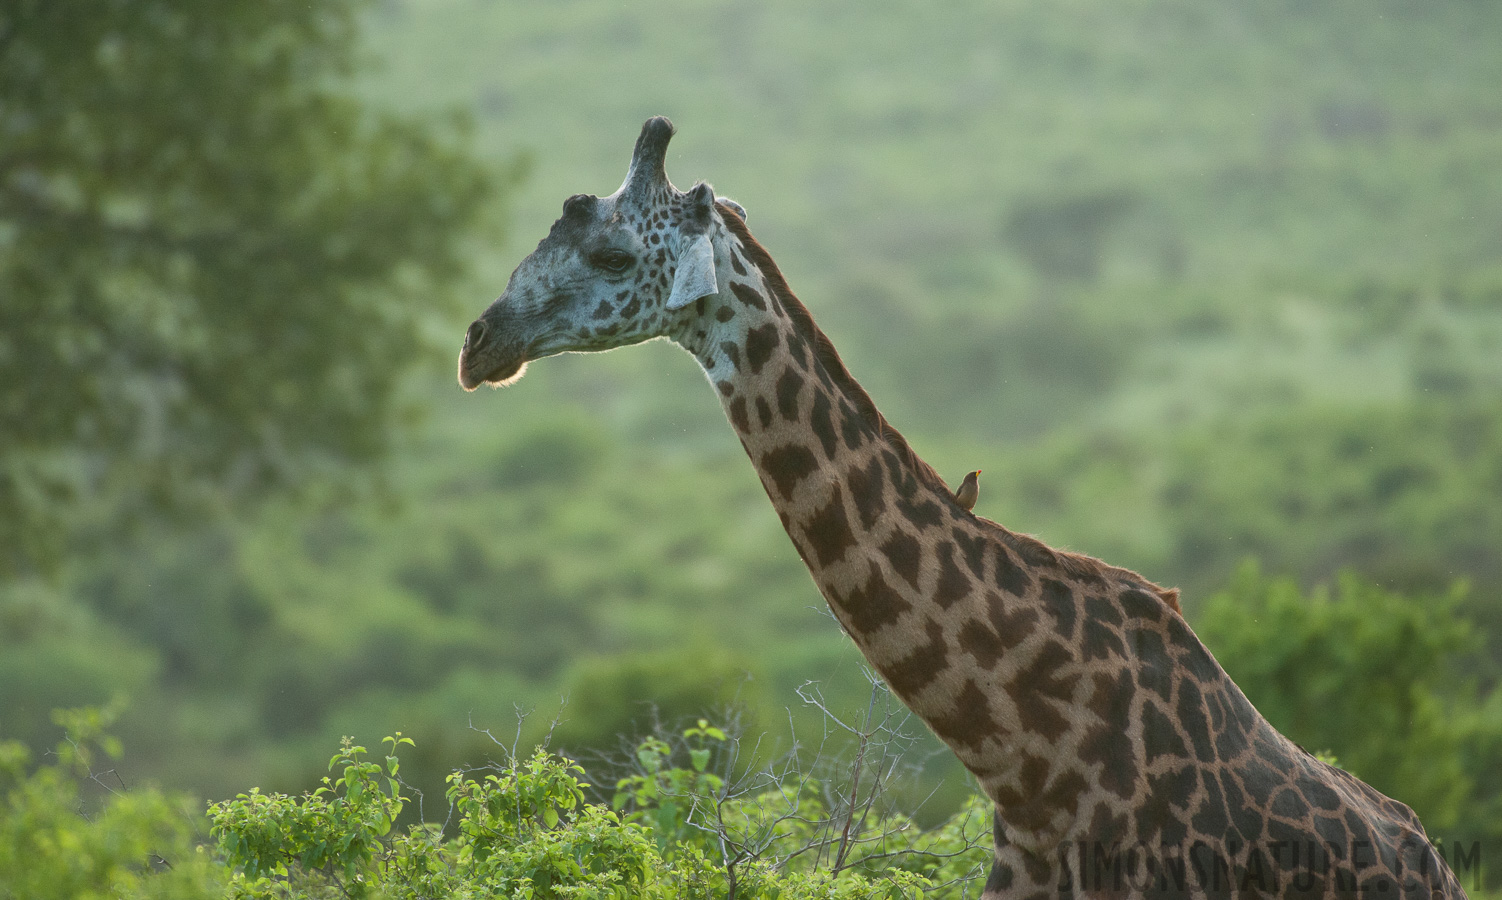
pixel 525 829
pixel 72 831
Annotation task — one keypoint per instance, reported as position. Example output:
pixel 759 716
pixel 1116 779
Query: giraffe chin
pixel 513 378
pixel 500 376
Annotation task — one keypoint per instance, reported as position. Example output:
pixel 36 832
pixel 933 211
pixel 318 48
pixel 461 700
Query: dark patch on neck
pixel 902 479
pixel 760 342
pixel 974 548
pixel 1102 609
pixel 1000 879
pixel 1039 686
pixel 1232 740
pixel 866 490
pixel 788 465
pixel 1100 641
pixel 1031 804
pixel 828 530
pixel 1211 817
pixel 1108 743
pixel 1110 827
pixel 1008 575
pixel 798 350
pixel 748 295
pixel 919 668
pixel 1160 737
pixel 788 387
pixel 1157 821
pixel 924 512
pixel 1247 818
pixel 738 415
pixel 981 643
pixel 970 723
pixel 1058 600
pixel 953 586
pixel 1013 626
pixel 1139 605
pixel 874 605
pixel 852 428
pixel 905 554
pixel 1155 668
pixel 821 423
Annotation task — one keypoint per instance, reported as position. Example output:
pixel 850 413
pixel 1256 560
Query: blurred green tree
pixel 209 252
pixel 71 829
pixel 627 694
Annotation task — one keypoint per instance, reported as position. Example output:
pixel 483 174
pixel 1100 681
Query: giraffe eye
pixel 613 261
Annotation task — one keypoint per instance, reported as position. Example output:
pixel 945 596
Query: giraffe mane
pixel 1030 548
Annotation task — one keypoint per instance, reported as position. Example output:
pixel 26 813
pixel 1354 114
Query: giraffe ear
pixel 695 276
pixel 734 207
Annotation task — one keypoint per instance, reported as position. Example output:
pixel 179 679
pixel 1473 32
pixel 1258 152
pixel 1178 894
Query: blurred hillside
pixel 1191 282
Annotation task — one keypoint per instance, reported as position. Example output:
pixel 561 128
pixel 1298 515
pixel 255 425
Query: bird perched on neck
pixel 969 490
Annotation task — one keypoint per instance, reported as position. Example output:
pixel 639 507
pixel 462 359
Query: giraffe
pixel 1120 757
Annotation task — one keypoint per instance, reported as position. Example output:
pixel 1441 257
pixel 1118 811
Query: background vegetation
pixel 1192 283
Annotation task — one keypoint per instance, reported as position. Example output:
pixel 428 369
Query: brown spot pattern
pixel 970 723
pixel 1108 743
pixel 981 643
pixel 866 486
pixel 738 418
pixel 788 386
pixel 822 425
pixel 1039 795
pixel 788 465
pixel 828 530
pixel 1040 685
pixel 874 604
pixel 919 668
pixel 748 295
pixel 760 342
pixel 905 554
pixel 953 586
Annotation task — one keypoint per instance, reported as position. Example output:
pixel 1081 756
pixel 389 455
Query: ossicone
pixel 649 159
pixel 580 206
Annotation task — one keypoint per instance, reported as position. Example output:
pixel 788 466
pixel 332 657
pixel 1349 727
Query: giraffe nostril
pixel 475 336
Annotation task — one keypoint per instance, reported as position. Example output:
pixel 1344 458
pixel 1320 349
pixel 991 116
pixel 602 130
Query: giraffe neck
pixel 909 574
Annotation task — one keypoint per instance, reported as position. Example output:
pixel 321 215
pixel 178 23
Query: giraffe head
pixel 613 271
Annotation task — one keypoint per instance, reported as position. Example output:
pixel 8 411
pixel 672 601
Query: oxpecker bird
pixel 969 490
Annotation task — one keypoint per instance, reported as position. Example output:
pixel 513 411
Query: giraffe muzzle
pixel 488 357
